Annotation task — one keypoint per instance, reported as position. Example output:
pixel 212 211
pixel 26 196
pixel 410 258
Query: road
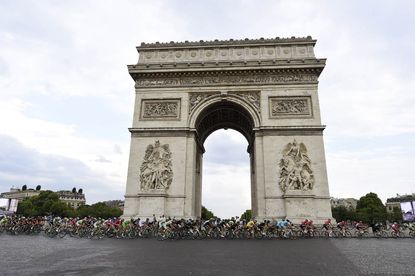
pixel 39 255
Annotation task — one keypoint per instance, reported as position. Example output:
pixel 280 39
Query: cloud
pixel 20 165
pixel 66 96
pixel 117 149
pixel 226 188
pixel 102 159
pixel 224 147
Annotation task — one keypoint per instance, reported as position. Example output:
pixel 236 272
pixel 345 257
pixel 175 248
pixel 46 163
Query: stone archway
pixel 218 115
pixel 266 89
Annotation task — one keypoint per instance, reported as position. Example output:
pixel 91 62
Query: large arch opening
pixel 228 168
pixel 226 187
pixel 225 114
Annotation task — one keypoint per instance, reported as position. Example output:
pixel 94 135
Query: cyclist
pixel 395 228
pixel 376 227
pixel 327 225
pixel 282 224
pixel 304 225
pixel 341 225
pixel 251 226
pixel 360 227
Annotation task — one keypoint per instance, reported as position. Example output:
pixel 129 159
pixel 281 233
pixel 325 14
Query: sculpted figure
pixel 295 168
pixel 156 170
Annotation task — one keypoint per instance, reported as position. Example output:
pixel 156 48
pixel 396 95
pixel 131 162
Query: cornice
pixel 227 65
pixel 227 43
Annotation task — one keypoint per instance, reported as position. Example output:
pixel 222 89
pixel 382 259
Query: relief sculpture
pixel 251 97
pixel 295 168
pixel 160 109
pixel 221 80
pixel 291 106
pixel 196 98
pixel 156 170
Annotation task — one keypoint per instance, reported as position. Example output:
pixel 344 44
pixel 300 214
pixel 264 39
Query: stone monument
pixel 264 88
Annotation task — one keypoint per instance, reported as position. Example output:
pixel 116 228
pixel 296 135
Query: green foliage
pixel 98 210
pixel 247 215
pixel 46 203
pixel 26 208
pixel 38 187
pixel 396 215
pixel 342 213
pixel 24 187
pixel 370 209
pixel 206 214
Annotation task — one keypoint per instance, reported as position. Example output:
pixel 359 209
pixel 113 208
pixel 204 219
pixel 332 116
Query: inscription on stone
pixel 290 106
pixel 160 109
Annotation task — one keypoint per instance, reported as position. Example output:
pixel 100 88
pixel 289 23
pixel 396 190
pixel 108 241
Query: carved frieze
pixel 295 168
pixel 252 97
pixel 248 79
pixel 234 50
pixel 156 170
pixel 290 107
pixel 196 98
pixel 160 109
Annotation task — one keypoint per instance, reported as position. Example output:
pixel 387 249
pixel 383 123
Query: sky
pixel 66 98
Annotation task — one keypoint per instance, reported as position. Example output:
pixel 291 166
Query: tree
pixel 46 203
pixel 38 187
pixel 74 190
pixel 341 213
pixel 370 209
pixel 98 210
pixel 247 215
pixel 396 215
pixel 207 214
pixel 24 187
pixel 26 208
pixel 80 191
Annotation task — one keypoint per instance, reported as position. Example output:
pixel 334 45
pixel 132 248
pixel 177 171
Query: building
pixel 15 195
pixel 267 89
pixel 348 203
pixel 395 202
pixel 115 204
pixel 75 200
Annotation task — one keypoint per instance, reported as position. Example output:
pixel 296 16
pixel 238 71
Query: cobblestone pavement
pixel 38 255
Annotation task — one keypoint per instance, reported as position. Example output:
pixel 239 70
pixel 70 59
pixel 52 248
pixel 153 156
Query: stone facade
pixel 74 200
pixel 265 88
pixel 395 202
pixel 349 203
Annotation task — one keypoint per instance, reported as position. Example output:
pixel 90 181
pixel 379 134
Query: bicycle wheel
pixel 62 233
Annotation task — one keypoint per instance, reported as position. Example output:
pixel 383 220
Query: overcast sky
pixel 66 98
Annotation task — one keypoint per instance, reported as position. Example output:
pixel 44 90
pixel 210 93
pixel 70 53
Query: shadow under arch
pixel 230 112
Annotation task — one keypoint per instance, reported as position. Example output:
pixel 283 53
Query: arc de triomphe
pixel 265 88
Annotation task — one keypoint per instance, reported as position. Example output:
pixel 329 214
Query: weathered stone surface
pixel 266 89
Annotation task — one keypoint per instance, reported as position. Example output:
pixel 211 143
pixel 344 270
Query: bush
pixel 206 214
pixel 247 215
pixel 98 210
pixel 46 203
pixel 370 209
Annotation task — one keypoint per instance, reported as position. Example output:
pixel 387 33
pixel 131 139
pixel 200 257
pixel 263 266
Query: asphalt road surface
pixel 39 255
